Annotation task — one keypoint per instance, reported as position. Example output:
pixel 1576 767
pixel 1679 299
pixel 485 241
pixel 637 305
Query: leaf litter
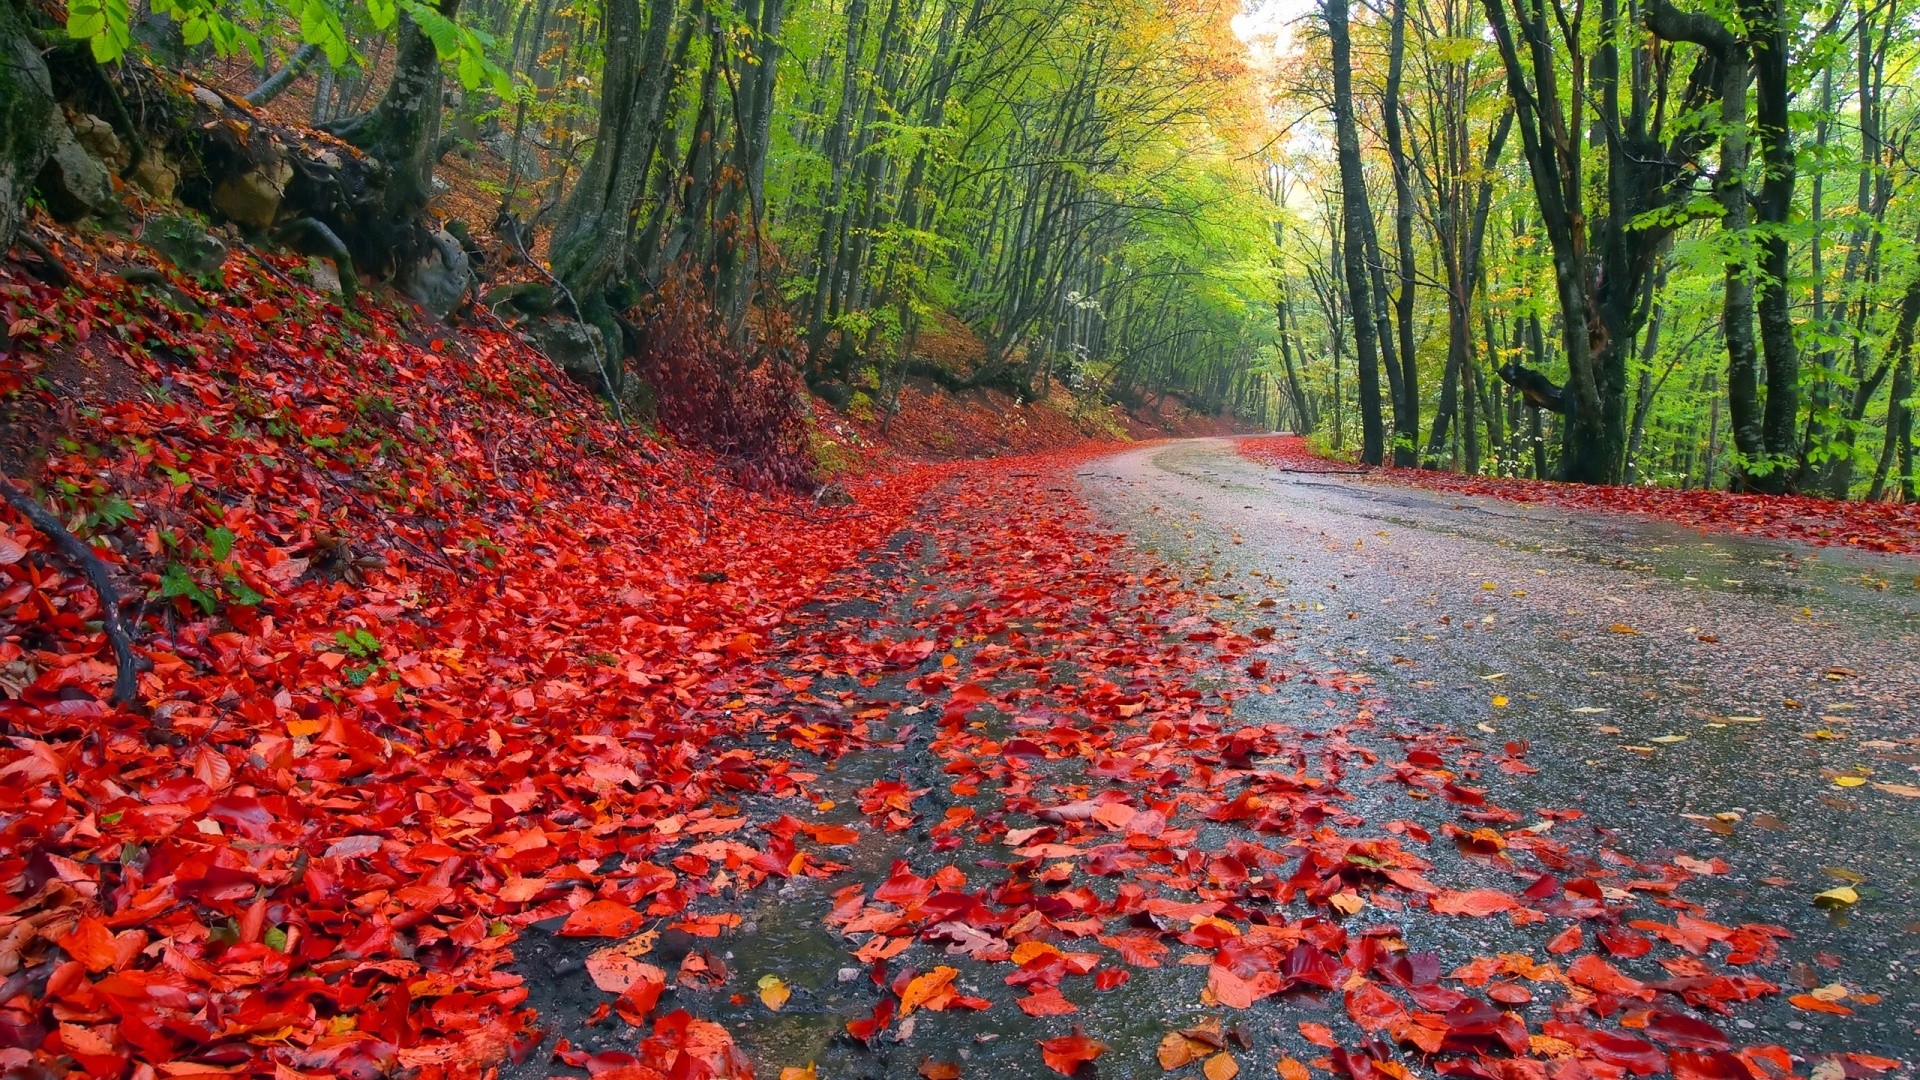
pixel 462 660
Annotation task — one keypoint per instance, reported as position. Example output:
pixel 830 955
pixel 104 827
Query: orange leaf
pixel 1318 1034
pixel 616 972
pixel 1221 1066
pixel 929 991
pixel 91 943
pixel 1047 1002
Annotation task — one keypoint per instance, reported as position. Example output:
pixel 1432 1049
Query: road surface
pixel 1693 692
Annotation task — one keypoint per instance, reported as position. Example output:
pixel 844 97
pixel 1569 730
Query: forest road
pixel 1698 693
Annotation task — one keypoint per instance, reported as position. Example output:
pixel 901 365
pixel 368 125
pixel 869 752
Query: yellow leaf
pixel 1622 628
pixel 1499 701
pixel 1831 992
pixel 794 1072
pixel 1347 902
pixel 1840 897
pixel 1849 781
pixel 774 993
pixel 1669 738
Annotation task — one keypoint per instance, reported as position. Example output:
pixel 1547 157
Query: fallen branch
pixel 127 683
pixel 278 82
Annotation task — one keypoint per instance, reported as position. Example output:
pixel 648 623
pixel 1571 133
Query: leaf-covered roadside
pixel 1129 804
pixel 430 647
pixel 1873 526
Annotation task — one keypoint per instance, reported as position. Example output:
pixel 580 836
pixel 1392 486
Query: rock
pixel 209 98
pixel 834 392
pixel 156 175
pixel 832 495
pixel 252 199
pixel 100 140
pixel 638 399
pixel 73 182
pixel 439 279
pixel 579 348
pixel 326 277
pixel 500 145
pixel 186 244
pixel 439 186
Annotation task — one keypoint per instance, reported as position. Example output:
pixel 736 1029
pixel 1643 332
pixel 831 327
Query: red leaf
pixel 1067 1053
pixel 1566 941
pixel 1477 903
pixel 602 918
pixel 1046 1002
pixel 1686 1032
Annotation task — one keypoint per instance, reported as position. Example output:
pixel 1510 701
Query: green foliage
pixel 229 28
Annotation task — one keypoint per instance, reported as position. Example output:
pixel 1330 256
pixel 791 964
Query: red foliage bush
pixel 744 409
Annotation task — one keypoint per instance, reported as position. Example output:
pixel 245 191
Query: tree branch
pixel 126 683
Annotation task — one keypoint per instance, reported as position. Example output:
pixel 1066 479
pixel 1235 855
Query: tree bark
pixel 590 243
pixel 1406 409
pixel 399 131
pixel 277 83
pixel 1357 225
pixel 26 111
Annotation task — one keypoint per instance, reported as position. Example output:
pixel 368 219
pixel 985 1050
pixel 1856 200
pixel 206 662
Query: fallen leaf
pixel 1837 897
pixel 1067 1053
pixel 774 992
pixel 1221 1066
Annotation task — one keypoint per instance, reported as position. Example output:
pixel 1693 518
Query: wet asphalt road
pixel 1694 693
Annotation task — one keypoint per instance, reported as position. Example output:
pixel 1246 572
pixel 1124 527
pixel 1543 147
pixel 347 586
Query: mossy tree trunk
pixel 26 114
pixel 590 241
pixel 400 131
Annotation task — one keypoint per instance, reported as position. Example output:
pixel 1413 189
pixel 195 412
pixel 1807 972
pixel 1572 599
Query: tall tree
pixel 1357 218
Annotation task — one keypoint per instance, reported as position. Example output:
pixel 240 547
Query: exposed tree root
pixel 127 682
pixel 49 268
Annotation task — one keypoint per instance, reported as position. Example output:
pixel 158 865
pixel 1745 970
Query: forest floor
pixel 483 732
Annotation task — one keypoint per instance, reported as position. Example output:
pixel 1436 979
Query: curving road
pixel 1697 693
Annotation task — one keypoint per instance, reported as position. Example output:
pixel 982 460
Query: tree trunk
pixel 399 131
pixel 1406 408
pixel 1767 34
pixel 590 242
pixel 26 111
pixel 1357 225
